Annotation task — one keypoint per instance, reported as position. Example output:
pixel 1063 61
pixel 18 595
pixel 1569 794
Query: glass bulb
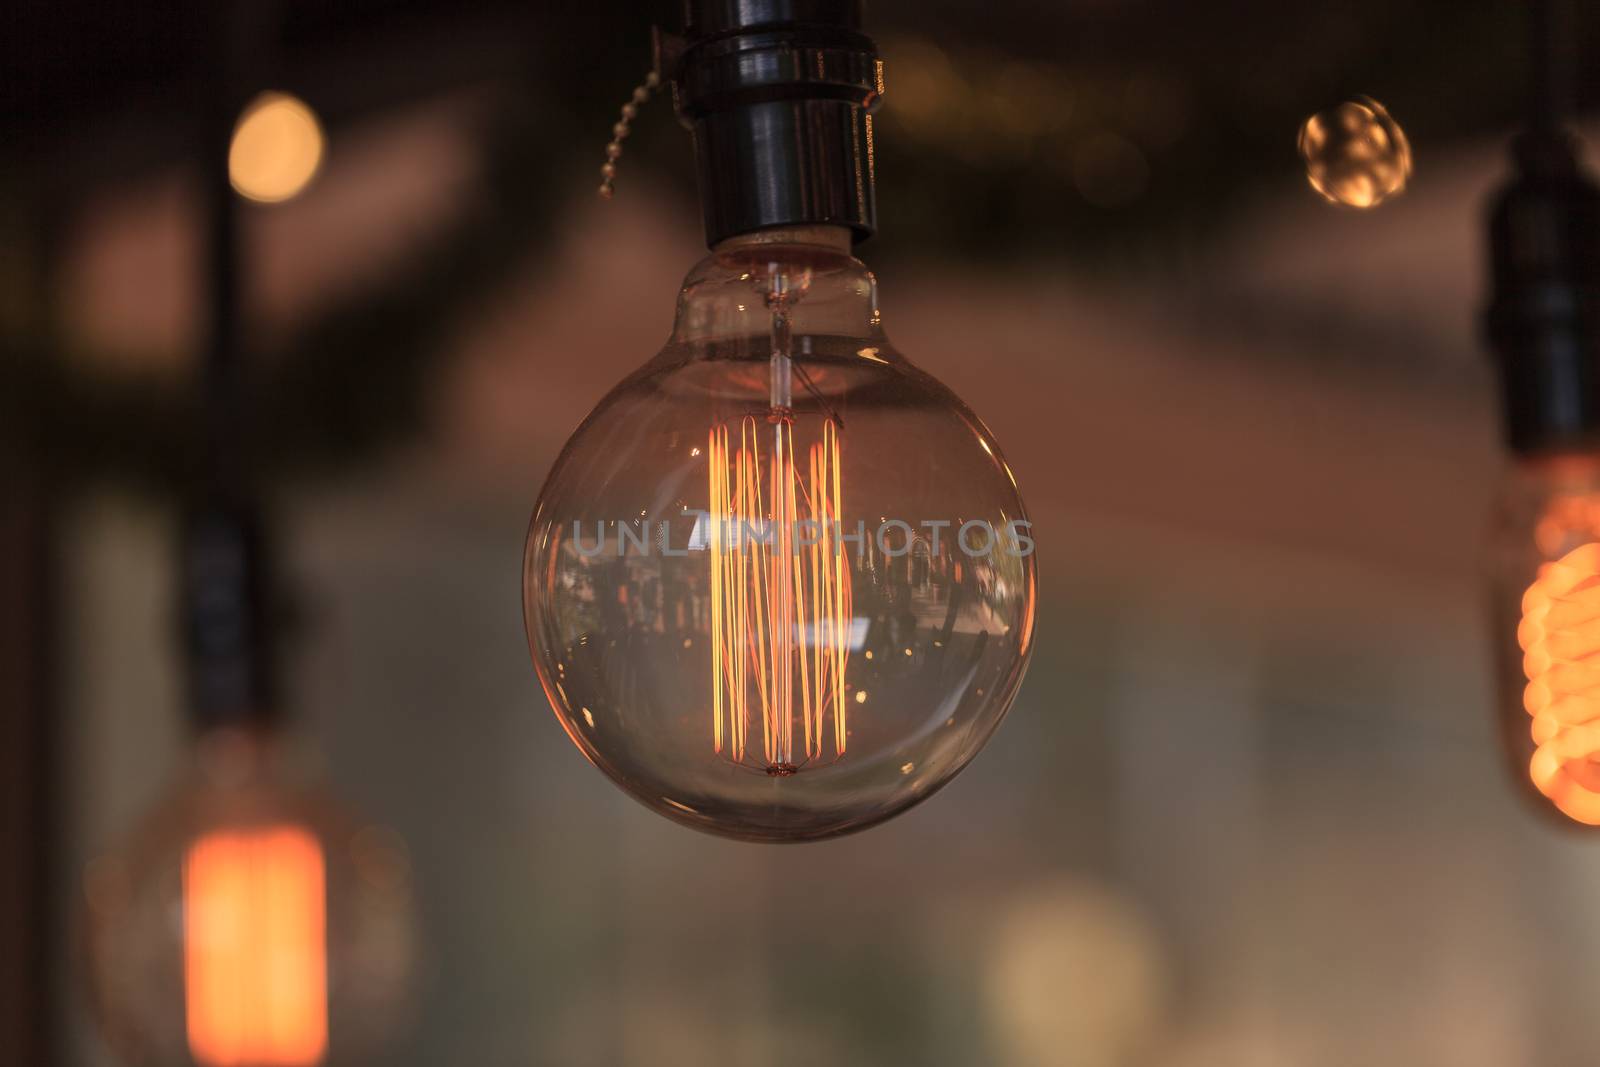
pixel 249 923
pixel 780 584
pixel 1546 560
pixel 1356 154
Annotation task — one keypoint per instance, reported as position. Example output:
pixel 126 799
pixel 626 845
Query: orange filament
pixel 254 949
pixel 1560 638
pixel 780 596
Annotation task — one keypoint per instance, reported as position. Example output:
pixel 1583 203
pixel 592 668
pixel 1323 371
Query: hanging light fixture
pixel 780 583
pixel 1543 324
pixel 248 921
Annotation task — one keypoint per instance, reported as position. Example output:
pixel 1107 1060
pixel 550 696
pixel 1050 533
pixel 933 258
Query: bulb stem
pixel 782 375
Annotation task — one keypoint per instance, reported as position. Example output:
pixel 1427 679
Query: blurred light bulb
pixel 255 967
pixel 249 923
pixel 276 148
pixel 738 525
pixel 1546 546
pixel 1356 154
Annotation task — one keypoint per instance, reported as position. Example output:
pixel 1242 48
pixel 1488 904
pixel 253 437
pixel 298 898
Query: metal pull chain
pixel 619 132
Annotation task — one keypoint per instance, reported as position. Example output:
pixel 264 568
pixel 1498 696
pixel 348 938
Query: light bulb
pixel 249 923
pixel 276 149
pixel 1546 558
pixel 1356 154
pixel 780 583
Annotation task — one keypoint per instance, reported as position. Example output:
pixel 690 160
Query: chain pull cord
pixel 619 132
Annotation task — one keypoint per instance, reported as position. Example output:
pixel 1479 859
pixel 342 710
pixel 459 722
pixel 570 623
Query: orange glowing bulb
pixel 255 950
pixel 1547 548
pixel 276 149
pixel 249 923
pixel 1355 154
pixel 1560 635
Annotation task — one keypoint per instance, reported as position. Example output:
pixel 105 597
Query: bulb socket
pixel 1543 317
pixel 778 95
pixel 226 618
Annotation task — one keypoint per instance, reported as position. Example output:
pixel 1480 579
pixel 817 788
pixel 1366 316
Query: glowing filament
pixel 254 949
pixel 780 596
pixel 1560 638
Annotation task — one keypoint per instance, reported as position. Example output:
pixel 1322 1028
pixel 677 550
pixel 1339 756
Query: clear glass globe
pixel 249 922
pixel 1545 557
pixel 780 584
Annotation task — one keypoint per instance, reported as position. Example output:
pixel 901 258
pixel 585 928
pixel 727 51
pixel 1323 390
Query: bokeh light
pixel 1073 965
pixel 1355 154
pixel 276 149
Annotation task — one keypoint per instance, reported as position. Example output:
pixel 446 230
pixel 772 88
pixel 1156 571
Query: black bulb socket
pixel 1543 318
pixel 778 95
pixel 226 614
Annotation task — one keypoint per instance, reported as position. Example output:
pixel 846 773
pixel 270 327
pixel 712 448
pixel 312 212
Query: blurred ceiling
pixel 1147 146
pixel 1046 127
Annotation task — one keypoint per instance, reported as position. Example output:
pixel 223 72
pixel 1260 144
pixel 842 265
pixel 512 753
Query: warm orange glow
pixel 254 949
pixel 780 595
pixel 1356 154
pixel 1560 638
pixel 276 148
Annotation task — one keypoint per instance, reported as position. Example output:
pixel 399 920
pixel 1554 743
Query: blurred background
pixel 1249 807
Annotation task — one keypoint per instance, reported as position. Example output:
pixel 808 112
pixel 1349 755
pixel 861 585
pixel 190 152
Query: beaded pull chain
pixel 619 133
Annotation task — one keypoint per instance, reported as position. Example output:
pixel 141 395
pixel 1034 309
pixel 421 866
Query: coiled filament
pixel 780 595
pixel 1560 639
